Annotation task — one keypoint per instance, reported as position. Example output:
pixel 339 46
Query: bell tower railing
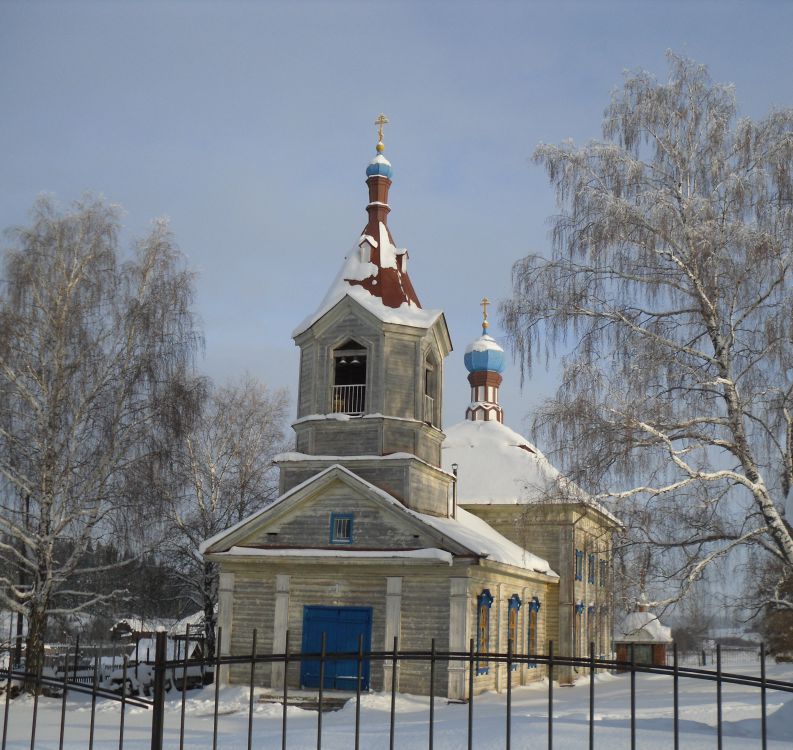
pixel 348 399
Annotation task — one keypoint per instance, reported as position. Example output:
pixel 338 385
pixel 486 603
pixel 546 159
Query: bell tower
pixel 370 392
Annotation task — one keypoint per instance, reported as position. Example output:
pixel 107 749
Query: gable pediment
pixel 302 518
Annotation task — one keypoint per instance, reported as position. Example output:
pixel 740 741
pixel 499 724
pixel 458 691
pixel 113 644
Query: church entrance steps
pixel 332 700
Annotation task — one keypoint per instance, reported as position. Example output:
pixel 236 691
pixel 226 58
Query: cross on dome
pixel 485 325
pixel 380 122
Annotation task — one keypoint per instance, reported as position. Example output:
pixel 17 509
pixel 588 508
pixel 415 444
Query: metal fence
pixel 162 668
pixel 732 656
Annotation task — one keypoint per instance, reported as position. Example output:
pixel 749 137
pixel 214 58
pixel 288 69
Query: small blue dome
pixel 379 166
pixel 484 354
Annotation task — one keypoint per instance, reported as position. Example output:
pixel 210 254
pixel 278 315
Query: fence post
pixel 719 728
pixel 432 695
pixel 124 664
pixel 158 713
pixel 216 683
pixel 633 697
pixel 508 741
pixel 94 686
pixel 8 693
pixel 286 690
pixel 63 702
pixel 591 695
pixel 359 677
pixel 393 692
pixel 184 686
pixel 676 688
pixel 36 693
pixel 763 727
pixel 250 695
pixel 471 695
pixel 550 695
pixel 322 655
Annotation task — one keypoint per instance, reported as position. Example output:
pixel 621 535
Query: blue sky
pixel 249 125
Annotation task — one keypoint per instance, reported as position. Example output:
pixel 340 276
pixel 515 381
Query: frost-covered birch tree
pixel 95 360
pixel 669 293
pixel 224 468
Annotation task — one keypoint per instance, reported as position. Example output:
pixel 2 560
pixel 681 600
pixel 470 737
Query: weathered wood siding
pixel 423 604
pixel 555 532
pixel 395 357
pixel 401 366
pixel 414 483
pixel 429 493
pixel 253 605
pixel 502 586
pixel 374 527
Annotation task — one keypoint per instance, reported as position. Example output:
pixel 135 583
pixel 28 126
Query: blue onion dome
pixel 484 354
pixel 380 166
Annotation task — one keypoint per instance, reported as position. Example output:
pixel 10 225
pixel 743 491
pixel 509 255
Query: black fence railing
pixel 177 672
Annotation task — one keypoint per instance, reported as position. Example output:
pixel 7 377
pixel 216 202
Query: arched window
pixel 533 634
pixel 431 400
pixel 577 634
pixel 579 565
pixel 483 603
pixel 591 625
pixel 512 623
pixel 349 379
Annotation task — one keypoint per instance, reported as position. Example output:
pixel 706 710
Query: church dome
pixel 379 167
pixel 484 354
pixel 496 465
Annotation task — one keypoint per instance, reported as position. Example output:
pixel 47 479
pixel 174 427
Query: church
pixel 387 526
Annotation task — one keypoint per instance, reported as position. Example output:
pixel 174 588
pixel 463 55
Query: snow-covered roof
pixel 145 625
pixel 642 627
pixel 483 344
pixel 466 530
pixel 498 466
pixel 355 268
pixel 194 619
pixel 478 536
pixel 426 553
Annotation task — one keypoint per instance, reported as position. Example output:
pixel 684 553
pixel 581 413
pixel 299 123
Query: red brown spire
pixel 390 283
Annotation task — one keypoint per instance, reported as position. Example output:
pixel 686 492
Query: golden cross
pixel 485 302
pixel 380 121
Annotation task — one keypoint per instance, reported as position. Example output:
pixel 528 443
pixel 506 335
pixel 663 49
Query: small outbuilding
pixel 643 631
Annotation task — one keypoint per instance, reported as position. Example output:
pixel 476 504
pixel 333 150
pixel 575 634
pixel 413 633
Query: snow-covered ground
pixel 529 720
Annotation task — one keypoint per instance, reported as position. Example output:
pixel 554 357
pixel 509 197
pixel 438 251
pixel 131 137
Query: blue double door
pixel 342 626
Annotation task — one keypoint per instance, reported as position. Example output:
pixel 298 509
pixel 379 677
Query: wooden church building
pixel 381 533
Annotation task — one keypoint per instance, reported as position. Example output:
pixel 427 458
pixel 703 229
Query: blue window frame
pixel 603 573
pixel 483 603
pixel 533 630
pixel 579 565
pixel 512 623
pixel 341 528
pixel 579 611
pixel 590 571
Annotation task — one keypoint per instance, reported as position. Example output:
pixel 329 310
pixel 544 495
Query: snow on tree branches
pixel 669 289
pixel 95 370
